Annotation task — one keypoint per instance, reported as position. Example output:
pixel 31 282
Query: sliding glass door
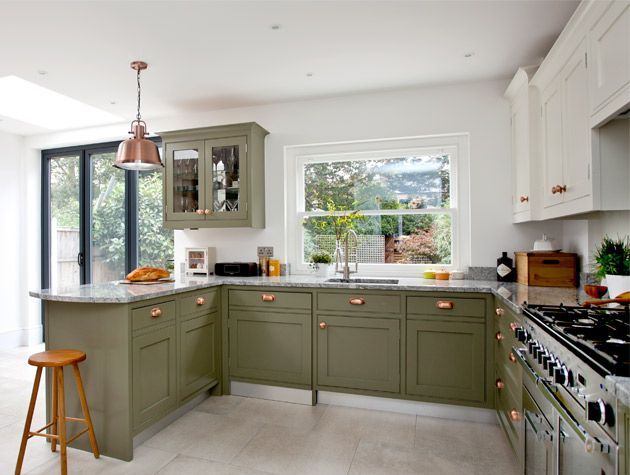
pixel 99 222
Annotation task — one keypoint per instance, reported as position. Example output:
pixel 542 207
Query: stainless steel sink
pixel 363 281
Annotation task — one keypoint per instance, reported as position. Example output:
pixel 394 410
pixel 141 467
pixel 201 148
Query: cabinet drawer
pixel 504 362
pixel 270 299
pixel 510 411
pixel 358 302
pixel 202 301
pixel 447 306
pixel 152 314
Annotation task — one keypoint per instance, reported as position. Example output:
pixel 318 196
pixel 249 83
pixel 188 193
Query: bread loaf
pixel 144 274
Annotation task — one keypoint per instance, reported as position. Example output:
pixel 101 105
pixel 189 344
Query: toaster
pixel 236 269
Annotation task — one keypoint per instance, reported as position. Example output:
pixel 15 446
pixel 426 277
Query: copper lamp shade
pixel 137 152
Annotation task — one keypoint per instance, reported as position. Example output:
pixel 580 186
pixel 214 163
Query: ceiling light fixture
pixel 137 152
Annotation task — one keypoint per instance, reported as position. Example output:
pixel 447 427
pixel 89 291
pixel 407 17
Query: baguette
pixel 144 274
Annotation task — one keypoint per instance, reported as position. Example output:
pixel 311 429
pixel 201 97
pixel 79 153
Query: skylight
pixel 33 104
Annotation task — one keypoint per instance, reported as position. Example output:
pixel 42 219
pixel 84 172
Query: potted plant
pixel 612 259
pixel 321 263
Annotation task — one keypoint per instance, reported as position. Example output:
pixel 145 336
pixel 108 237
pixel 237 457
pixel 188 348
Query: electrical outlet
pixel 265 251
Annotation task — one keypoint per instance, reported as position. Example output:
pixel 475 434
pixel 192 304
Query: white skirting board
pixel 21 337
pixel 302 396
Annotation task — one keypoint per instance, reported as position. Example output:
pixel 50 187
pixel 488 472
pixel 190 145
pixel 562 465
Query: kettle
pixel 544 244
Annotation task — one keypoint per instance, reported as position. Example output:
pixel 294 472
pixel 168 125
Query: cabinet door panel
pixel 226 179
pixel 552 143
pixel 154 374
pixel 446 360
pixel 359 353
pixel 520 151
pixel 185 191
pixel 198 343
pixel 609 42
pixel 576 130
pixel 270 347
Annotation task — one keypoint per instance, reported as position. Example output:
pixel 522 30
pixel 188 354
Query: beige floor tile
pixel 37 450
pixel 380 458
pixel 282 450
pixel 79 463
pixel 377 426
pixel 146 461
pixel 207 436
pixel 183 465
pixel 296 416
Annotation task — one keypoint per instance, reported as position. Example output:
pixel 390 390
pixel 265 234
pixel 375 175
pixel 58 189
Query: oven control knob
pixel 600 412
pixel 531 345
pixel 541 353
pixel 551 367
pixel 521 335
pixel 563 375
pixel 546 358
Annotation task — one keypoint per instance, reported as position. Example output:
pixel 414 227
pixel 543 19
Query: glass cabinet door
pixel 226 178
pixel 185 191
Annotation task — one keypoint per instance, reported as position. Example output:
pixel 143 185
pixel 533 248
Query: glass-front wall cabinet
pixel 211 174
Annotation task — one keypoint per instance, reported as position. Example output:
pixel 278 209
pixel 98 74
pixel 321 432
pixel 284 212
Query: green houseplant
pixel 321 263
pixel 612 262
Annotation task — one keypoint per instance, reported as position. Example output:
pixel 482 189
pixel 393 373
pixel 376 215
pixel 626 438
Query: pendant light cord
pixel 138 113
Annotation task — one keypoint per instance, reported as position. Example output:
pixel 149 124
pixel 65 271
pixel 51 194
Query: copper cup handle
pixel 200 301
pixel 444 305
pixel 156 312
pixel 199 211
pixel 323 325
pixel 555 189
pixel 207 211
pixel 511 357
pixel 515 415
pixel 499 336
pixel 562 189
pixel 499 312
pixel 357 301
pixel 268 297
pixel 499 384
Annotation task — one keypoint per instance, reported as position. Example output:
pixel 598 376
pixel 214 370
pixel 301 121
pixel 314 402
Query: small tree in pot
pixel 321 263
pixel 612 259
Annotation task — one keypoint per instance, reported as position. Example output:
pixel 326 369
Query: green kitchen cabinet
pixel 446 359
pixel 154 375
pixel 358 353
pixel 215 177
pixel 270 347
pixel 198 347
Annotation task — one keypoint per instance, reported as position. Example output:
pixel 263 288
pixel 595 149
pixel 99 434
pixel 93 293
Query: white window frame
pixel 456 145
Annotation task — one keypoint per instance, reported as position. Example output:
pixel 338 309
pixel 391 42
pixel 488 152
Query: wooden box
pixel 546 269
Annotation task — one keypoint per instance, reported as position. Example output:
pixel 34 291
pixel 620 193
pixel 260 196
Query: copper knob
pixel 555 189
pixel 200 211
pixel 156 312
pixel 499 336
pixel 499 311
pixel 524 198
pixel 513 326
pixel 562 188
pixel 357 301
pixel 268 297
pixel 323 325
pixel 444 305
pixel 207 211
pixel 511 357
pixel 200 301
pixel 499 384
pixel 515 415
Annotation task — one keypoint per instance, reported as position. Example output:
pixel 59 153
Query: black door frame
pixel 85 200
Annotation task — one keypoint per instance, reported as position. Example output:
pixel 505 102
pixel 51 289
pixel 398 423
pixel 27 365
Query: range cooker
pixel 570 417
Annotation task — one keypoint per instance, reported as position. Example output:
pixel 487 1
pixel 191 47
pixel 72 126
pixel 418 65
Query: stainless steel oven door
pixel 580 455
pixel 538 438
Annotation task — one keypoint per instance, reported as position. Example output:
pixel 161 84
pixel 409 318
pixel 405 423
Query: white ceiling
pixel 221 54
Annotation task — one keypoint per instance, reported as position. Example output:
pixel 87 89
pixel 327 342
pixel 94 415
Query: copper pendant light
pixel 137 152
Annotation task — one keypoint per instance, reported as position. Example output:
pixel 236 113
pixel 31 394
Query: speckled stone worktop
pixel 511 294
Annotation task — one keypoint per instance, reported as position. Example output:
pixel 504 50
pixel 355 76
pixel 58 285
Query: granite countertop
pixel 511 294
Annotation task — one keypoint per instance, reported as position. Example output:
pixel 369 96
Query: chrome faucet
pixel 346 256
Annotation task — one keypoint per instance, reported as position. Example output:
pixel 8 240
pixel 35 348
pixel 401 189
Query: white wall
pixel 476 108
pixel 19 320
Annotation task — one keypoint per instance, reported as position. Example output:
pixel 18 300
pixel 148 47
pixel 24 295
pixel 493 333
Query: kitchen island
pixel 155 351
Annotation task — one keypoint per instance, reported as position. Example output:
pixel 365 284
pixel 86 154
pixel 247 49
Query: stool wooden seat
pixel 57 359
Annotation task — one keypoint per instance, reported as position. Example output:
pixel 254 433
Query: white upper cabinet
pixel 609 54
pixel 522 114
pixel 552 144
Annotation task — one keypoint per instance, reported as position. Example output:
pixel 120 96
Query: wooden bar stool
pixel 57 359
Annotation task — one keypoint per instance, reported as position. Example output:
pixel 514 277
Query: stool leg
pixel 29 419
pixel 61 423
pixel 86 410
pixel 54 410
